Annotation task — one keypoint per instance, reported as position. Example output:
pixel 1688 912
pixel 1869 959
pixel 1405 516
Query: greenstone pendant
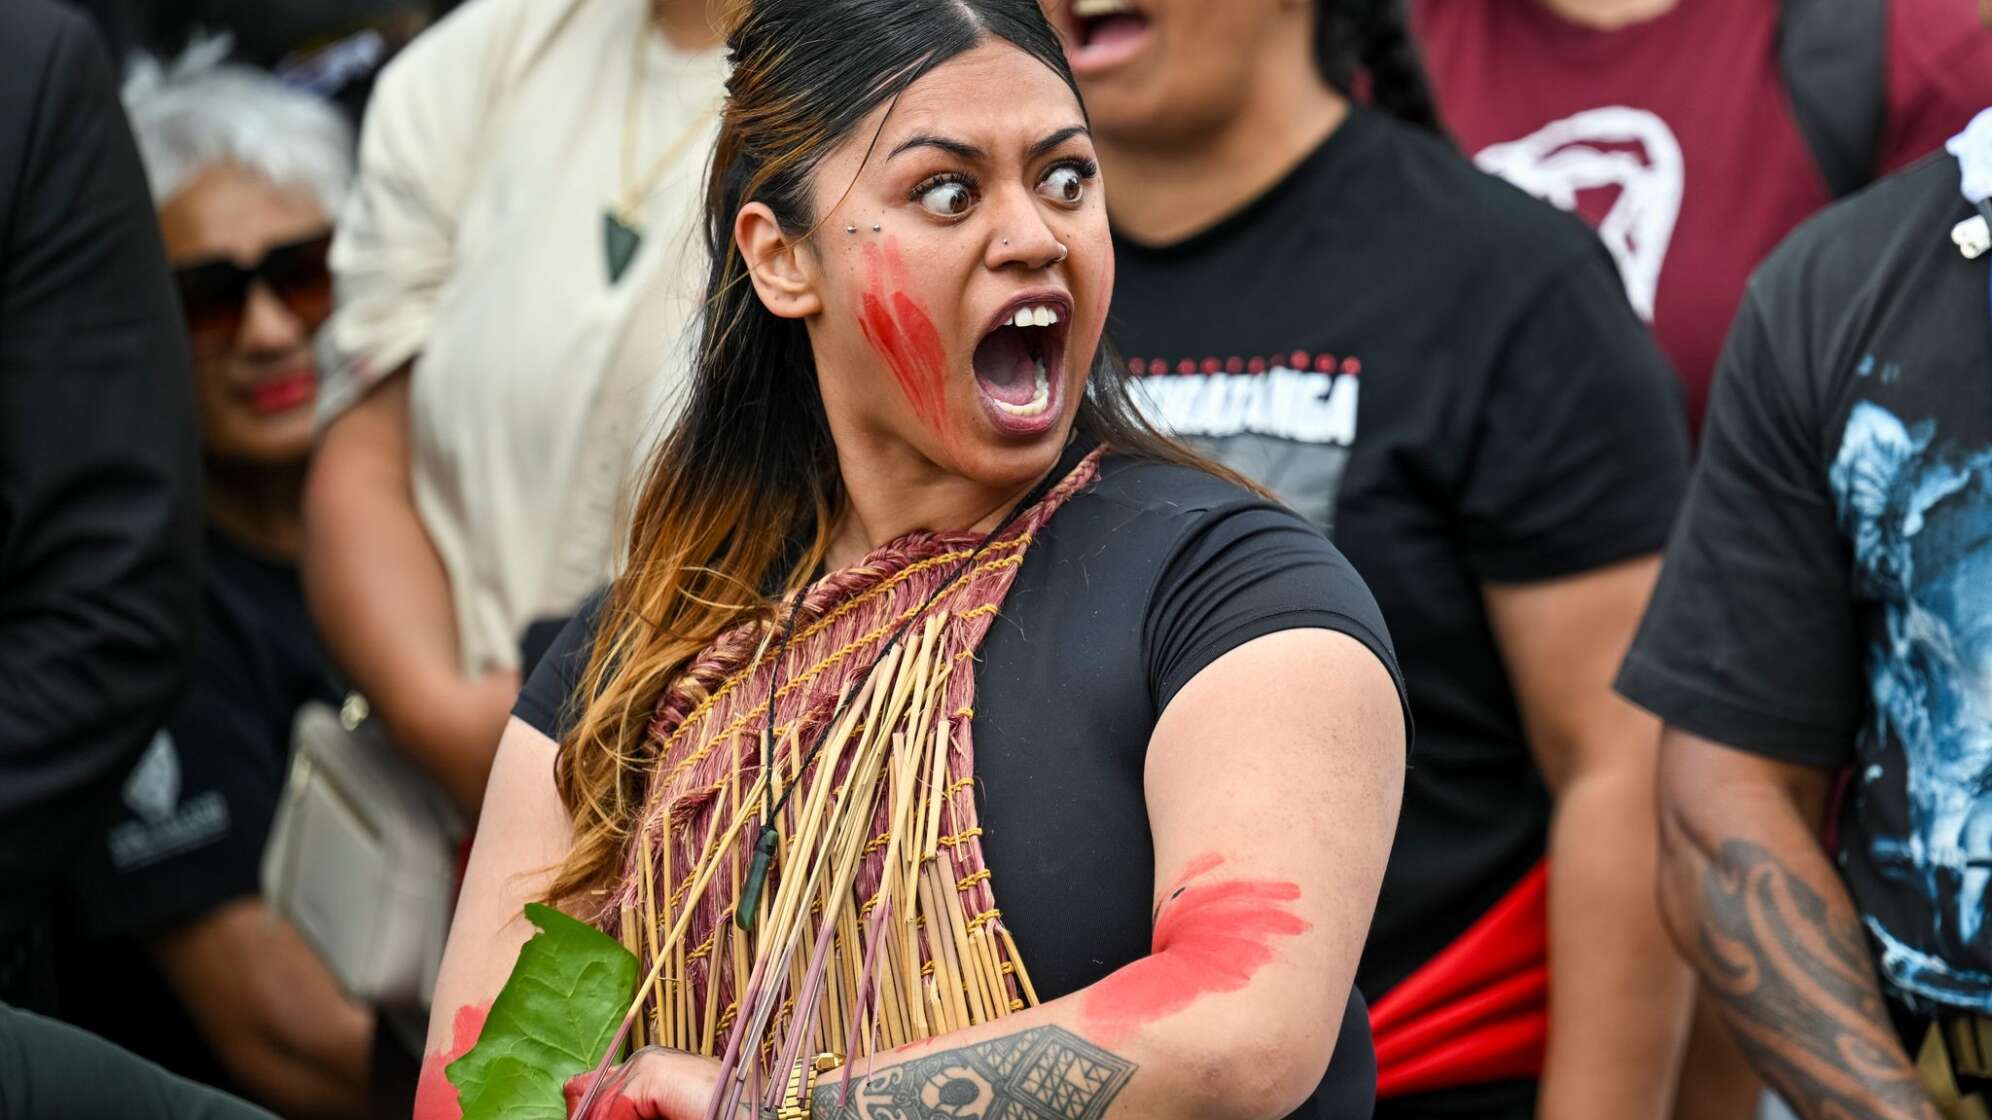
pixel 620 240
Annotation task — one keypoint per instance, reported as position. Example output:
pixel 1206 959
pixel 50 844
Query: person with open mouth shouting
pixel 953 745
pixel 1443 374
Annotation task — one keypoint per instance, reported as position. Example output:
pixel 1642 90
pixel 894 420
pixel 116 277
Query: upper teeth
pixel 1089 9
pixel 1040 316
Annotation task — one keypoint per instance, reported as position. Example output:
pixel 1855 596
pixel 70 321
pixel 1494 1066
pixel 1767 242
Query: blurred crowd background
pixel 331 331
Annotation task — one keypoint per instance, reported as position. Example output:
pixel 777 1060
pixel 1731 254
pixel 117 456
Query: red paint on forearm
pixel 902 332
pixel 1208 939
pixel 435 1097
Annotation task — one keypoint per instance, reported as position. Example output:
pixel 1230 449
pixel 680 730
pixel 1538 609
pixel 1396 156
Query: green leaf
pixel 555 1018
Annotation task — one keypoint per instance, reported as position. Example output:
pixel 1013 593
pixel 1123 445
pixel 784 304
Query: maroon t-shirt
pixel 1675 137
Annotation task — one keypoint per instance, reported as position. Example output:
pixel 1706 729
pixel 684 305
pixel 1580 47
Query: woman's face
pixel 1157 71
pixel 252 343
pixel 957 281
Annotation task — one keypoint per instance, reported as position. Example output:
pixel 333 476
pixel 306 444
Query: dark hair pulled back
pixel 1370 40
pixel 740 497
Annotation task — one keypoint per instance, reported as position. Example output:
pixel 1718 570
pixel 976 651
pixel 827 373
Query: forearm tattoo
pixel 1045 1073
pixel 1797 987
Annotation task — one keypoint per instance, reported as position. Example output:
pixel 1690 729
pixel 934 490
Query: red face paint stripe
pixel 435 1097
pixel 900 330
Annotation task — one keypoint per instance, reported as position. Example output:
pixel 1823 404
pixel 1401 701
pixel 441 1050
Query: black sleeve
pixel 547 701
pixel 53 1071
pixel 193 813
pixel 1750 639
pixel 99 513
pixel 1245 572
pixel 1581 456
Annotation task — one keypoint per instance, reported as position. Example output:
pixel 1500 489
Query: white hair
pixel 200 111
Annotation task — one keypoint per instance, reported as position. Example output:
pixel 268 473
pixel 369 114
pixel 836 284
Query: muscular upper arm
pixel 1273 780
pixel 522 838
pixel 1709 791
pixel 1562 640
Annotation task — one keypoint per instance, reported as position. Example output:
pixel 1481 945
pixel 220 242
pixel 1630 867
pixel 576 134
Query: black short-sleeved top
pixel 1133 587
pixel 1444 375
pixel 193 813
pixel 1827 599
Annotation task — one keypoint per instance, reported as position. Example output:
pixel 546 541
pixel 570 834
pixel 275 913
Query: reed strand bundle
pixel 879 925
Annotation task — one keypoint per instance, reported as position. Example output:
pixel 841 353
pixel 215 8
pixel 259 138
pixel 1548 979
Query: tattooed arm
pixel 1757 907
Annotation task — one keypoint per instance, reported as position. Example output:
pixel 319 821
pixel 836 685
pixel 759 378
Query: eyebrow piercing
pixel 850 229
pixel 876 228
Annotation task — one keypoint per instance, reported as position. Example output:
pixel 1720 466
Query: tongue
pixel 1108 31
pixel 1005 367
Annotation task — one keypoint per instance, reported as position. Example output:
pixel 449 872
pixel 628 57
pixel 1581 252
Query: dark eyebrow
pixel 954 148
pixel 971 153
pixel 1057 138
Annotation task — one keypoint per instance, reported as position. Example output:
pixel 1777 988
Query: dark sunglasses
pixel 214 293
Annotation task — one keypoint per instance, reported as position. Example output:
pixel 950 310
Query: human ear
pixel 775 261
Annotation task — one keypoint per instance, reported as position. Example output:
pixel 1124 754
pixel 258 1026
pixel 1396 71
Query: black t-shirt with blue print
pixel 1827 598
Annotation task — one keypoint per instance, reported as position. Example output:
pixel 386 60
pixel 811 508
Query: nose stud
pixel 1063 252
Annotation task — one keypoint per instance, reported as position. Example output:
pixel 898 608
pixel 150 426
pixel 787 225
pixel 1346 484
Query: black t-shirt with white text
pixel 1135 585
pixel 1827 599
pixel 1444 375
pixel 195 810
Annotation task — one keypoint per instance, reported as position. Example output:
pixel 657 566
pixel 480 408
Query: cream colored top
pixel 474 243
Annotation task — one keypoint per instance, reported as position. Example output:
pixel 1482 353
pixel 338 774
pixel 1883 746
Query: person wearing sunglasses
pixel 180 958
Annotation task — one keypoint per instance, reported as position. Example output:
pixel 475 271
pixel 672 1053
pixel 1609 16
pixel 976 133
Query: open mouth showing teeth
pixel 1105 26
pixel 1018 363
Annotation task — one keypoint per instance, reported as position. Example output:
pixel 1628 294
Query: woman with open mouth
pixel 952 745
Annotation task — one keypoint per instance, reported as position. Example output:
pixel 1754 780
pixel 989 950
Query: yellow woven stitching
pixel 726 1018
pixel 927 969
pixel 983 919
pixel 705 946
pixel 840 611
pixel 965 712
pixel 801 679
pixel 983 611
pixel 877 842
pixel 871 904
pixel 1007 968
pixel 1016 1005
pixel 981 876
pixel 962 837
pixel 957 787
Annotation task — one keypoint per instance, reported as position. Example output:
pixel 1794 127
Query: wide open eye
pixel 1064 184
pixel 947 198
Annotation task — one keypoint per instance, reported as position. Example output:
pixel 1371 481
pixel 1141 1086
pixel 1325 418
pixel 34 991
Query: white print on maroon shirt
pixel 1287 421
pixel 1629 151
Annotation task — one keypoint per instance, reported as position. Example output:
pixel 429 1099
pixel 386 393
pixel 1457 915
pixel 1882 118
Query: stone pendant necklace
pixel 622 221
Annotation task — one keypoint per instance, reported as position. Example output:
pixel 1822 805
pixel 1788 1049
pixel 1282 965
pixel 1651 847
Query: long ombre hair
pixel 738 502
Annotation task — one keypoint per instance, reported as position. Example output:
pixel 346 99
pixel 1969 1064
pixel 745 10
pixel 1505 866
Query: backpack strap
pixel 1831 54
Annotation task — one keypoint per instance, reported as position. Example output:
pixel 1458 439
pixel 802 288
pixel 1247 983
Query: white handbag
pixel 362 856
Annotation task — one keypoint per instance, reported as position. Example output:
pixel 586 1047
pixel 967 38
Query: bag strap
pixel 1831 54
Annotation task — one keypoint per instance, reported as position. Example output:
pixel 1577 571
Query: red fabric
pixel 1702 79
pixel 1479 1010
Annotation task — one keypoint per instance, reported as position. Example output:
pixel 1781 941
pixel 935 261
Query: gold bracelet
pixel 802 1086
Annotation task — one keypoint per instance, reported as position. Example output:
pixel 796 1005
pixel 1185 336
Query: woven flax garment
pixel 879 923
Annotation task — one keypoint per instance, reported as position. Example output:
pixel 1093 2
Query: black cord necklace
pixel 764 848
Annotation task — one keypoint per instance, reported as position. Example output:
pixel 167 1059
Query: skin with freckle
pixel 435 1097
pixel 1209 938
